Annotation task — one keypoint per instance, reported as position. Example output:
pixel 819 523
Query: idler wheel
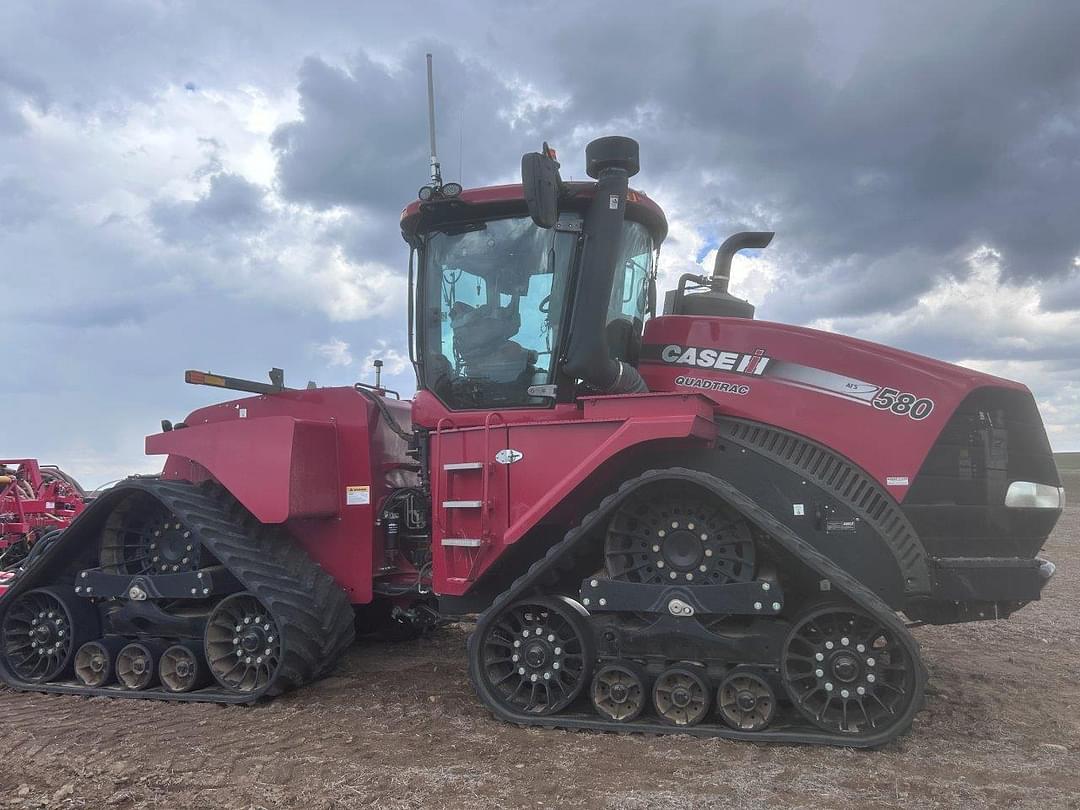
pixel 745 701
pixel 681 696
pixel 136 665
pixel 41 631
pixel 619 691
pixel 534 657
pixel 182 668
pixel 848 672
pixel 95 661
pixel 243 644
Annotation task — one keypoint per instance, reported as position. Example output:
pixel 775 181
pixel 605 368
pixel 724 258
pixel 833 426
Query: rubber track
pixel 313 614
pixel 546 571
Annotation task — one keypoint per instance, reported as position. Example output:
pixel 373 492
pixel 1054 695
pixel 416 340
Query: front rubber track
pixel 545 575
pixel 313 614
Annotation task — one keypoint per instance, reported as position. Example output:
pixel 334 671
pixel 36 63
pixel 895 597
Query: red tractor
pixel 35 500
pixel 688 520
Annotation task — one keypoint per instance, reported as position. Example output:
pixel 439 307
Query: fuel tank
pixel 319 461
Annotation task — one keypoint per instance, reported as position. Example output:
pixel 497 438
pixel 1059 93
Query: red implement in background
pixel 34 500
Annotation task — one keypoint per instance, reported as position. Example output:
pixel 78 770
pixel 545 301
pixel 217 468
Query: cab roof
pixel 508 200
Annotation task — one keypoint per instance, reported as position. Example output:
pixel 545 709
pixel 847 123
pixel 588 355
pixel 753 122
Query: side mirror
pixel 541 185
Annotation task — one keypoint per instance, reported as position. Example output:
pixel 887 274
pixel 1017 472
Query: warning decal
pixel 357 496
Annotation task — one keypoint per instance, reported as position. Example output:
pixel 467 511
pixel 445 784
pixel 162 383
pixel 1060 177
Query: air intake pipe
pixel 715 300
pixel 611 161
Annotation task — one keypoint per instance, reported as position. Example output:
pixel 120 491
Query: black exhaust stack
pixel 611 161
pixel 716 301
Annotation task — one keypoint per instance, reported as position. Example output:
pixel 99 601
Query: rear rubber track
pixel 313 614
pixel 548 571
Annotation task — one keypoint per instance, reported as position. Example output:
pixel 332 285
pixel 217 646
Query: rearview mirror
pixel 541 184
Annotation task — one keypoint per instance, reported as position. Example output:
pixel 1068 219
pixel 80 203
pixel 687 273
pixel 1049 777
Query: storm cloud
pixel 218 186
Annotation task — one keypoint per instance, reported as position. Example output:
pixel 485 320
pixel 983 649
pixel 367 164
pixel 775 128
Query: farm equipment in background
pixel 34 501
pixel 692 522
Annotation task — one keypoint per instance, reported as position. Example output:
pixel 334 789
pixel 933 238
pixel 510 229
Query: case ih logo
pixel 736 362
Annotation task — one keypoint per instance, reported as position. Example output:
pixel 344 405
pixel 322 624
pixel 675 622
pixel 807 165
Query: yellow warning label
pixel 357 496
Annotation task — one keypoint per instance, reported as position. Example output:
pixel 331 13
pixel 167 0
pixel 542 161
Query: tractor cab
pixel 523 290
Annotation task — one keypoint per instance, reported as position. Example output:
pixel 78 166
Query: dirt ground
pixel 398 726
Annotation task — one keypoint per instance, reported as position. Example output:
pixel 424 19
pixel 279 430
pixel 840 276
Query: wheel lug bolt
pixel 266 651
pixel 534 677
pixel 247 620
pixel 270 639
pixel 844 641
pixel 828 687
pixel 820 673
pixel 551 636
pixel 870 678
pixel 819 656
pixel 656 549
pixel 517 642
pixel 775 605
pixel 757 605
pixel 235 641
pixel 555 665
pixel 860 648
pixel 708 552
pixel 673 575
pixel 266 627
pixel 689 576
pixel 703 568
pixel 690 526
pixel 829 645
pixel 558 650
pixel 521 670
pixel 525 633
pixel 547 676
pixel 258 660
pixel 844 693
pixel 659 563
pixel 515 658
pixel 869 662
pixel 247 660
pixel 704 536
pixel 34 622
pixel 661 533
pixel 674 524
pixel 860 690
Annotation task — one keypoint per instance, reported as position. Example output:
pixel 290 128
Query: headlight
pixel 1028 495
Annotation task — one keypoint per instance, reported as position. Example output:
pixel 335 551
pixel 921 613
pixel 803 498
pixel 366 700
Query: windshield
pixel 491 308
pixel 630 292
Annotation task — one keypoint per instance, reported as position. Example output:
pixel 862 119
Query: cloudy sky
pixel 217 185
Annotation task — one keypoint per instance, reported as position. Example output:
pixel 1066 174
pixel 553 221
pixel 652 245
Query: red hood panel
pixel 882 408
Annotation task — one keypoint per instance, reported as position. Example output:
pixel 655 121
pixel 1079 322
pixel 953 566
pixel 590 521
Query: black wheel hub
pixel 39 633
pixel 681 696
pixel 846 671
pixel 243 646
pixel 670 535
pixel 682 550
pixel 745 700
pixel 535 656
pixel 143 537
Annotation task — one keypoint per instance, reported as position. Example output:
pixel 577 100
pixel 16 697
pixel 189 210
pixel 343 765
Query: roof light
pixel 451 189
pixel 425 193
pixel 1029 495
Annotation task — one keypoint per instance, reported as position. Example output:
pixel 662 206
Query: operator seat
pixel 482 341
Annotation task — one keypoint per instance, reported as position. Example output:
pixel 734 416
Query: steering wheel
pixel 545 305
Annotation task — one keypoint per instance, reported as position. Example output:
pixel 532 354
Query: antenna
pixel 436 172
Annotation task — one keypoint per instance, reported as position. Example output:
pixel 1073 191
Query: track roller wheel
pixel 745 701
pixel 42 629
pixel 681 695
pixel 182 668
pixel 136 665
pixel 847 671
pixel 535 656
pixel 619 691
pixel 243 645
pixel 95 661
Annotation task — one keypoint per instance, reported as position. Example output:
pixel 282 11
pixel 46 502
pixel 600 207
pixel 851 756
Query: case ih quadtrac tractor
pixel 694 521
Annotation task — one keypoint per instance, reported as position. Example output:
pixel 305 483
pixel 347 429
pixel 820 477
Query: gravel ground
pixel 398 726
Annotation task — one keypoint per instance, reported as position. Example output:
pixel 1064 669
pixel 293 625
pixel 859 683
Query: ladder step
pixel 462 542
pixel 464 465
pixel 462 504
